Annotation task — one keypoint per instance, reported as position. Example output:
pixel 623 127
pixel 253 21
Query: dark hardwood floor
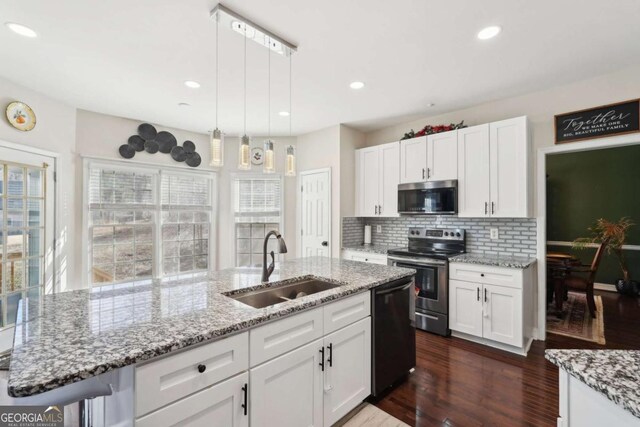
pixel 459 383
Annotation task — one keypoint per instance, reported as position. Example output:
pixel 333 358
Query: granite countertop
pixel 373 248
pixel 71 336
pixel 614 373
pixel 494 260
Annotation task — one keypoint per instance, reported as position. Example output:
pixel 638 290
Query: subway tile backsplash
pixel 516 236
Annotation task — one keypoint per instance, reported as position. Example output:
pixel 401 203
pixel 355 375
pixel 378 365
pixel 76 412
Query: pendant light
pixel 290 164
pixel 269 164
pixel 244 160
pixel 217 138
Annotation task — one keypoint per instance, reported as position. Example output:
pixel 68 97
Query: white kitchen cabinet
pixel 377 178
pixel 369 257
pixel 413 160
pixel 442 156
pixel 473 172
pixel 492 305
pixel 502 314
pixel 509 149
pixel 287 391
pixel 465 310
pixel 493 170
pixel 220 405
pixel 347 374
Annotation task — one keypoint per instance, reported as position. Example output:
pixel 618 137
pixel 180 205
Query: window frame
pixel 157 171
pixel 232 217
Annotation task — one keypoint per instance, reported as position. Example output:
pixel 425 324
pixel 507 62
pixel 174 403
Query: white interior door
pixel 315 213
pixel 27 212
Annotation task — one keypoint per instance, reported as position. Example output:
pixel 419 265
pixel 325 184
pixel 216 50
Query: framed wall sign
pixel 607 120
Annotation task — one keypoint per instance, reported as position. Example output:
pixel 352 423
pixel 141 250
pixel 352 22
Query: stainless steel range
pixel 428 253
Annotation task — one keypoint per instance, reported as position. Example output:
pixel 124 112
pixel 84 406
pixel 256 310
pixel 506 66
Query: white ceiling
pixel 129 57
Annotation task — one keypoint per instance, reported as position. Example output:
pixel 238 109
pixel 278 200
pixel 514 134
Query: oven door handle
pixel 402 287
pixel 417 261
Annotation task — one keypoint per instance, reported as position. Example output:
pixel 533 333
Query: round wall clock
pixel 21 116
pixel 257 156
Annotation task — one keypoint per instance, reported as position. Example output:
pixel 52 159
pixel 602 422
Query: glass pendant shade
pixel 244 155
pixel 269 165
pixel 217 149
pixel 290 166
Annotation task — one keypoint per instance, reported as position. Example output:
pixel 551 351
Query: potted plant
pixel 616 233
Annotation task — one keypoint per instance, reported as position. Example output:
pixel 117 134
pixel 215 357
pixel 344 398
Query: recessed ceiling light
pixel 183 104
pixel 284 113
pixel 489 32
pixel 356 85
pixel 192 84
pixel 21 29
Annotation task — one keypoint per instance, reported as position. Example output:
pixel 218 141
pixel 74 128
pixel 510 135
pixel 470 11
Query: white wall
pixel 318 150
pixel 55 131
pixel 540 107
pixel 350 140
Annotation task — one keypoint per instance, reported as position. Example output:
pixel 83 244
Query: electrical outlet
pixel 378 229
pixel 493 233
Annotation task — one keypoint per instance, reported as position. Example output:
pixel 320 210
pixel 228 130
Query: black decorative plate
pixel 136 142
pixel 178 154
pixel 151 147
pixel 189 147
pixel 147 131
pixel 166 141
pixel 127 151
pixel 193 160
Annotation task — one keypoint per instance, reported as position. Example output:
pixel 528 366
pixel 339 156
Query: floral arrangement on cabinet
pixel 429 130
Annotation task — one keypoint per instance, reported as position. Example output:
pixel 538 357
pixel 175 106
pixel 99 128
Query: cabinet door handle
pixel 202 368
pixel 376 209
pixel 245 404
pixel 485 294
pixel 321 358
pixel 380 209
pixel 478 294
pixel 423 173
pixel 486 208
pixel 428 173
pixel 330 359
pixel 493 205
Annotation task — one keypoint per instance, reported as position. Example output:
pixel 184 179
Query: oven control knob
pixel 446 233
pixel 457 234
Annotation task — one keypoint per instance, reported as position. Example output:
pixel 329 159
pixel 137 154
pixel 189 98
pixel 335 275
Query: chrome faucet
pixel 282 247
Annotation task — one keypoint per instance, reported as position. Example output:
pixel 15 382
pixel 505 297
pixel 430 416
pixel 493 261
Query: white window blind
pixel 139 214
pixel 257 210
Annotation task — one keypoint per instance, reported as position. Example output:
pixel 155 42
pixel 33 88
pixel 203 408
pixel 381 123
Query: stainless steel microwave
pixel 428 198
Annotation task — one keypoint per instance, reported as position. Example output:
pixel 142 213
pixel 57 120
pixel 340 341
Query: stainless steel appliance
pixel 393 337
pixel 428 198
pixel 428 253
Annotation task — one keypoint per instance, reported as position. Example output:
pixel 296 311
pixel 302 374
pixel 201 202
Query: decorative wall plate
pixel 257 156
pixel 21 116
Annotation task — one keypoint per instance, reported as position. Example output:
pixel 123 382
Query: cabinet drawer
pixel 346 311
pixel 174 377
pixel 281 336
pixel 365 257
pixel 217 406
pixel 500 276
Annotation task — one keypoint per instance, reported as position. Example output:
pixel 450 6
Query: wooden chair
pixel 583 281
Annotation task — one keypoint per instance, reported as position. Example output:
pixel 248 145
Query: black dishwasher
pixel 393 337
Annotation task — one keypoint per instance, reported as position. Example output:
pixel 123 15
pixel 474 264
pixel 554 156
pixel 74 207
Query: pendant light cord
pixel 269 91
pixel 245 79
pixel 290 105
pixel 217 66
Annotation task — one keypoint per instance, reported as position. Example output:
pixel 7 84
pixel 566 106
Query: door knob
pixel 325 243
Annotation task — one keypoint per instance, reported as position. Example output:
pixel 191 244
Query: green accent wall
pixel 585 186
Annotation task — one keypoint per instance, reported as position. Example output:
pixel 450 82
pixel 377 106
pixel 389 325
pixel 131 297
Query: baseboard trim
pixel 604 287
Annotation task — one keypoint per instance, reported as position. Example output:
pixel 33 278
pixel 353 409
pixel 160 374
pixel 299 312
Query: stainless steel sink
pixel 282 293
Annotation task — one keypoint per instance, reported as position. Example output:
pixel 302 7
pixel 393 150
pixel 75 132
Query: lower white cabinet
pixel 287 391
pixel 496 314
pixel 347 372
pixel 220 405
pixel 369 257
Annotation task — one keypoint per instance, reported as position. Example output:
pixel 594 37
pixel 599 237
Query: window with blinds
pixel 146 223
pixel 257 210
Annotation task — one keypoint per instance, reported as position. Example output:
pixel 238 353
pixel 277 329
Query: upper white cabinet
pixel 377 179
pixel 442 156
pixel 413 160
pixel 493 170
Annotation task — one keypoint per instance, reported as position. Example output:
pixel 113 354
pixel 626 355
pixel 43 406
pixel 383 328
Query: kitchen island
pixel 71 337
